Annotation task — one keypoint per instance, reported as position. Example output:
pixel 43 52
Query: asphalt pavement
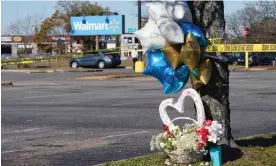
pixel 50 119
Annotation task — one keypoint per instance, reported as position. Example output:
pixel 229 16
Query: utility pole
pixel 139 27
pixel 139 14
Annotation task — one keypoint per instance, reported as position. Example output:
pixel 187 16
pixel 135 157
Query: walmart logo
pixel 114 25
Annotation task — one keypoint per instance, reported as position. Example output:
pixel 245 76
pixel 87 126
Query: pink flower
pixel 207 123
pixel 165 127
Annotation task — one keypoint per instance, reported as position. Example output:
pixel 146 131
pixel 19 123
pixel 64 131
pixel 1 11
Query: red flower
pixel 165 127
pixel 204 138
pixel 203 132
pixel 170 134
pixel 207 123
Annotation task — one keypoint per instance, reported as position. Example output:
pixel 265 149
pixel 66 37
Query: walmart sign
pixel 96 25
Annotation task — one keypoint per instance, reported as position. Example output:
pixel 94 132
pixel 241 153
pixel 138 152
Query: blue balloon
pixel 159 67
pixel 196 31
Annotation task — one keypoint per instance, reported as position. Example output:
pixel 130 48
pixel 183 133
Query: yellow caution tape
pixel 242 48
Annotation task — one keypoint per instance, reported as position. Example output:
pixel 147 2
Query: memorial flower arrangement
pixel 189 144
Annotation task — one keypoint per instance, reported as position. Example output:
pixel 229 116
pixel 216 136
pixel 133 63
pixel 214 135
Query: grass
pixel 251 151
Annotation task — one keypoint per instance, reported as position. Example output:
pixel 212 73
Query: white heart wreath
pixel 179 106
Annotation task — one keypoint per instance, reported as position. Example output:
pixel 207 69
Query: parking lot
pixel 50 119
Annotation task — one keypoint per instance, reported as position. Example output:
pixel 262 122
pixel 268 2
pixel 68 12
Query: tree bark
pixel 209 15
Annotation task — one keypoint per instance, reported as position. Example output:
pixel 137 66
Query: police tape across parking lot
pixel 217 48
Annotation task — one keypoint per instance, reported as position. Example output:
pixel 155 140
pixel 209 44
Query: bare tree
pixel 25 28
pixel 234 28
pixel 259 16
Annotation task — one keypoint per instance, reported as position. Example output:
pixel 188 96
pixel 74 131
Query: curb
pixel 254 69
pixel 28 71
pixel 107 77
pixel 7 84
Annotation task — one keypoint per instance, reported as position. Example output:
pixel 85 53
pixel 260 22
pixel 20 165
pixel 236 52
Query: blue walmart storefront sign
pixel 96 25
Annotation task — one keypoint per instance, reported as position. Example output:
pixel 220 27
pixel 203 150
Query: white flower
pixel 213 138
pixel 215 131
pixel 174 143
pixel 185 131
pixel 162 145
pixel 167 162
pixel 172 127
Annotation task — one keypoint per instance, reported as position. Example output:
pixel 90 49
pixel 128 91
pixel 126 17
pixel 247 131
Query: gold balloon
pixel 195 82
pixel 172 52
pixel 190 52
pixel 204 72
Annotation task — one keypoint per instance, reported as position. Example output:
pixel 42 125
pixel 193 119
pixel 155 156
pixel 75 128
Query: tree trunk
pixel 209 15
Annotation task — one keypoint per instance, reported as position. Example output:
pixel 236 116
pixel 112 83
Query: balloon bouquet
pixel 173 45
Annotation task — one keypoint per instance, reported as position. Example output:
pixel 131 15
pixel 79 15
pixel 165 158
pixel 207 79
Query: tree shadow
pixel 231 154
pixel 257 141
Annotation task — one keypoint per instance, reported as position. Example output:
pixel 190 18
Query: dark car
pixel 235 58
pixel 268 58
pixel 101 59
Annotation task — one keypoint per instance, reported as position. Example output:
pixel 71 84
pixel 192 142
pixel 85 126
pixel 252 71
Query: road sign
pixel 131 30
pixel 97 25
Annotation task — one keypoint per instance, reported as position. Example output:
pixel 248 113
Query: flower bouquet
pixel 187 145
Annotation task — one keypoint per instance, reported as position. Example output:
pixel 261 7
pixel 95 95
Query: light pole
pixel 140 56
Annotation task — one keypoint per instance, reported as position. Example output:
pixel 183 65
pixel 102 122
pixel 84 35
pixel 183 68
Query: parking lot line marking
pixel 119 135
pixel 45 96
pixel 246 102
pixel 129 103
pixel 18 131
pixel 18 150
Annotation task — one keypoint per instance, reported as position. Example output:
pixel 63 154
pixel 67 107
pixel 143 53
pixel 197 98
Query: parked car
pixel 235 58
pixel 101 59
pixel 268 58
